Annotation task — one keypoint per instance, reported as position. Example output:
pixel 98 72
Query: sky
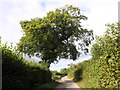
pixel 99 13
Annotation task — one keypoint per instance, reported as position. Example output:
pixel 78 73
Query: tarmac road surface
pixel 67 84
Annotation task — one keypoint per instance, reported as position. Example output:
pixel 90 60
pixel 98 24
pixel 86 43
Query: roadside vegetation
pixel 103 69
pixel 53 37
pixel 49 38
pixel 20 73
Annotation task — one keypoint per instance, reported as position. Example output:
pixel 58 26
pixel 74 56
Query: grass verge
pixel 50 85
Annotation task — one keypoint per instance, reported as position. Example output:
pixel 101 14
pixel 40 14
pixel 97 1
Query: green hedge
pixel 103 70
pixel 18 73
pixel 56 75
pixel 85 72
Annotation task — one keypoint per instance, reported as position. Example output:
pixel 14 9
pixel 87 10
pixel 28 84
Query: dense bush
pixel 103 70
pixel 64 71
pixel 108 50
pixel 56 75
pixel 85 72
pixel 19 73
pixel 77 75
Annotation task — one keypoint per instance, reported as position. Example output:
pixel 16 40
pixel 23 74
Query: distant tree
pixel 64 71
pixel 52 37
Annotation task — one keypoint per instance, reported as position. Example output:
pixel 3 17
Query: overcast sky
pixel 99 13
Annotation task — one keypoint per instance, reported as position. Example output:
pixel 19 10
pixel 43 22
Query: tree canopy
pixel 53 36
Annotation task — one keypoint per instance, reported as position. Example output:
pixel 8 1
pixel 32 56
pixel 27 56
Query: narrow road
pixel 67 84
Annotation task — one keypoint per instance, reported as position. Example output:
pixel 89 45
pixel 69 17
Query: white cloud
pixel 63 63
pixel 102 13
pixel 99 13
pixel 12 13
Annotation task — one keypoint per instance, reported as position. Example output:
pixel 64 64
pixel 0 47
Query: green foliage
pixel 49 85
pixel 44 65
pixel 103 70
pixel 64 71
pixel 56 75
pixel 18 73
pixel 109 56
pixel 77 75
pixel 86 72
pixel 71 71
pixel 52 37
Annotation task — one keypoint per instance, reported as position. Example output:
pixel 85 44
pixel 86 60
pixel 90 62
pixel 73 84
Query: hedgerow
pixel 103 69
pixel 20 73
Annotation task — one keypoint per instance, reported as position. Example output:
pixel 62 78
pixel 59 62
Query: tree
pixel 64 71
pixel 52 37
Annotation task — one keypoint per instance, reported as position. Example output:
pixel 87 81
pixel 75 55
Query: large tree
pixel 53 36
